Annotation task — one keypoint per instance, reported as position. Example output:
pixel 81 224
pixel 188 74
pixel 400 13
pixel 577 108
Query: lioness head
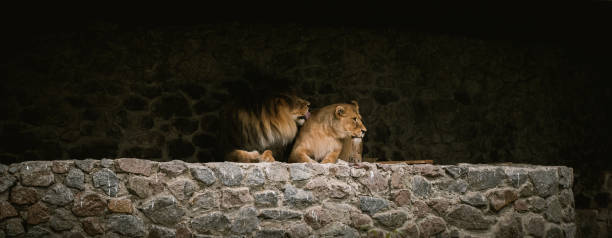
pixel 299 110
pixel 350 120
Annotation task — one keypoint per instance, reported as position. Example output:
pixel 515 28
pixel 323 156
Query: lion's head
pixel 270 122
pixel 349 120
pixel 300 110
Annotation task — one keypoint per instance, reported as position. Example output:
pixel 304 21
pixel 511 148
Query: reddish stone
pixel 120 205
pixel 318 217
pixel 402 198
pixel 521 205
pixel 236 197
pixel 182 189
pixel 501 198
pixel 429 170
pixel 93 226
pixel 408 230
pixel 397 179
pixel 135 166
pixel 23 195
pixel 431 226
pixel 88 204
pixel 421 209
pixel 182 231
pixel 38 213
pixel 7 210
pixel 439 205
pixel 361 220
pixel 60 167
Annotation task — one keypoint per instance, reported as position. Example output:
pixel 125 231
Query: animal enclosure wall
pixel 142 198
pixel 108 90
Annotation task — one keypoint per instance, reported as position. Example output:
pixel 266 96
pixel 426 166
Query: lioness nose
pixel 363 130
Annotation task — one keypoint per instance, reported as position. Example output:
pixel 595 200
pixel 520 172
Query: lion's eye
pixel 355 119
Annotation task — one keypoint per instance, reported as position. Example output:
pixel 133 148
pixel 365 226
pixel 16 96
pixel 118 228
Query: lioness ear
pixel 356 105
pixel 339 111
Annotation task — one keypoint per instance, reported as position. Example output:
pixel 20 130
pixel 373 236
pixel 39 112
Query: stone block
pixel 467 217
pixel 296 197
pixel 135 166
pixel 299 172
pixel 484 178
pixel 230 174
pixel 87 204
pixel 86 165
pixel 107 181
pixel 215 221
pixel 391 219
pixel 24 195
pixel 545 181
pixel 163 210
pixel 236 197
pixel 127 225
pixel 266 198
pixel 277 172
pixel 7 210
pixel 75 179
pixel 120 205
pixel 372 205
pixel 203 174
pixel 37 213
pixel 255 177
pixel 280 214
pixel 246 222
pixel 375 181
pixel 182 189
pixel 207 200
pixel 173 168
pixel 62 220
pixel 431 226
pixel 59 195
pixel 36 173
pixel 500 198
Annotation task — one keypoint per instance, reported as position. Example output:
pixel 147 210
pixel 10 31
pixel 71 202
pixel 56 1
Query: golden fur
pixel 321 137
pixel 259 131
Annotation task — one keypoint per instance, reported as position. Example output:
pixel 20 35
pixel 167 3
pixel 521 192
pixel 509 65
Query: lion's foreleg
pixel 267 156
pixel 332 157
pixel 243 156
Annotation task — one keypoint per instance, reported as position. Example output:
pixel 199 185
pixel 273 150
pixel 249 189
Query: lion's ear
pixel 356 105
pixel 339 111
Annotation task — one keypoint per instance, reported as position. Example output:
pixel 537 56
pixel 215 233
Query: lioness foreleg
pixel 300 157
pixel 332 157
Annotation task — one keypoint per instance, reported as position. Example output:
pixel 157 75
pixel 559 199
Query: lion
pixel 258 130
pixel 322 136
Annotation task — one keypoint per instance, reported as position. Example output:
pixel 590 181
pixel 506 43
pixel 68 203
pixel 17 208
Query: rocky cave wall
pixel 142 198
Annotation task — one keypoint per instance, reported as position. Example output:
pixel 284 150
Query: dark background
pixel 456 83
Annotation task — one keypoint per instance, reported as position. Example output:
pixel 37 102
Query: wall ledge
pixel 142 198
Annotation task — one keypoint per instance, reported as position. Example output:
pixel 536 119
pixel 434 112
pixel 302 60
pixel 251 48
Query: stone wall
pixel 142 198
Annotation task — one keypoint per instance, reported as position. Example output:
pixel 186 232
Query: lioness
pixel 321 137
pixel 259 129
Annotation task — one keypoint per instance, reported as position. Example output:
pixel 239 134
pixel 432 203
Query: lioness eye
pixel 355 119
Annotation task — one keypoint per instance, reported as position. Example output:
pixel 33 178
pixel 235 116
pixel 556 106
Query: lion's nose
pixel 363 130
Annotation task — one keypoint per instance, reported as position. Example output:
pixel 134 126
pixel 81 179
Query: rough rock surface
pixel 138 198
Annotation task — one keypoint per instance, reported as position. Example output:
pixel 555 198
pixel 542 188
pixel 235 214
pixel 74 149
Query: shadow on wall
pixel 110 91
